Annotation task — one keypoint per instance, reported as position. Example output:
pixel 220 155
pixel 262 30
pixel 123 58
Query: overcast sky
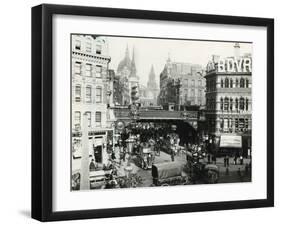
pixel 155 51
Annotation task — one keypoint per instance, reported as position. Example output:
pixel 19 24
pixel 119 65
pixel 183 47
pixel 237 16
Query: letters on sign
pixel 235 65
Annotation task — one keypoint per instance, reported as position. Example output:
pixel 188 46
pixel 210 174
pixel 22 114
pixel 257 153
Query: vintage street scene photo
pixel 155 112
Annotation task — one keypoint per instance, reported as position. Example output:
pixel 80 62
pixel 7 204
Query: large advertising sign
pixel 231 141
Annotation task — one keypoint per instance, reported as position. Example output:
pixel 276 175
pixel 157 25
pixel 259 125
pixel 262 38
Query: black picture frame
pixel 42 107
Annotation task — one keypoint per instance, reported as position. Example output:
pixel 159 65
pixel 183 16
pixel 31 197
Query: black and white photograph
pixel 159 112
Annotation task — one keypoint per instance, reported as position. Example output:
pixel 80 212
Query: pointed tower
pixel 124 64
pixel 133 65
pixel 151 83
pixel 169 65
pixel 127 54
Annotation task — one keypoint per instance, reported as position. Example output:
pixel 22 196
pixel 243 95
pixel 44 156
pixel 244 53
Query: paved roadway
pixel 231 176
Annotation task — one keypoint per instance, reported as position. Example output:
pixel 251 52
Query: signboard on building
pixel 230 141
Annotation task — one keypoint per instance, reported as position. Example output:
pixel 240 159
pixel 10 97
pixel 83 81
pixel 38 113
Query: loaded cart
pixel 168 173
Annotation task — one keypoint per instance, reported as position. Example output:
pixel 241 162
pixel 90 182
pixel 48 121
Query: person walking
pixel 227 160
pixel 235 160
pixel 172 155
pixel 241 160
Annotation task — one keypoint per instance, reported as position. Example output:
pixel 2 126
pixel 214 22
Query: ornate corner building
pixel 228 97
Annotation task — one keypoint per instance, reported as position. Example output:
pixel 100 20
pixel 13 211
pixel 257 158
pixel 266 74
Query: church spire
pixel 169 57
pixel 133 65
pixel 126 62
pixel 127 55
pixel 151 79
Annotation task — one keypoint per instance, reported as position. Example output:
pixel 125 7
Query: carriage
pixel 199 171
pixel 145 158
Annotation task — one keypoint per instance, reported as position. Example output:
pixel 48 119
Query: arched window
pixel 222 123
pixel 226 103
pixel 221 103
pixel 214 84
pixel 226 83
pixel 231 83
pixel 237 83
pixel 221 83
pixel 247 104
pixel 231 104
pixel 236 103
pixel 247 83
pixel 242 103
pixel 242 83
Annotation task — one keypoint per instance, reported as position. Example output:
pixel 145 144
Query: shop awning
pixel 231 141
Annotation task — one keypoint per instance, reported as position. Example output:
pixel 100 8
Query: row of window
pixel 230 124
pixel 89 68
pixel 186 82
pixel 88 46
pixel 192 101
pixel 77 119
pixel 88 94
pixel 192 93
pixel 229 104
pixel 229 83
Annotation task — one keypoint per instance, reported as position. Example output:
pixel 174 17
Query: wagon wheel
pixel 186 181
pixel 142 164
pixel 145 165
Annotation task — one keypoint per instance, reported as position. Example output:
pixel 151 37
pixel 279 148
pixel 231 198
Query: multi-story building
pixel 181 85
pixel 229 100
pixel 92 86
pixel 127 72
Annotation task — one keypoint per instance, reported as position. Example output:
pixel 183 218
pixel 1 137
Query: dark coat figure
pixel 224 161
pixel 214 159
pixel 227 161
pixel 173 156
pixel 247 169
pixel 113 156
pixel 92 165
pixel 209 158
